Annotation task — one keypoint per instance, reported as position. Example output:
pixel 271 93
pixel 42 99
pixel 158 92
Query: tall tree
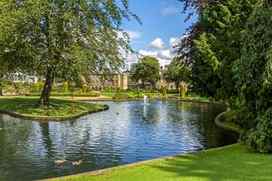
pixel 60 38
pixel 147 70
pixel 232 47
pixel 254 79
pixel 214 44
pixel 177 72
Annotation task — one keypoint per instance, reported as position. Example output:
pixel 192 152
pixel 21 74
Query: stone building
pixel 109 81
pixel 22 78
pixel 123 81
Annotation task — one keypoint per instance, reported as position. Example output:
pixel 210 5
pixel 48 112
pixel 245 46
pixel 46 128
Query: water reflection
pixel 128 132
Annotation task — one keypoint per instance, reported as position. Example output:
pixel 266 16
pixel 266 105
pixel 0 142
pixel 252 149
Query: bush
pixel 18 88
pixel 183 89
pixel 120 96
pixel 76 94
pixel 260 138
pixel 37 87
pixel 164 91
pixel 65 87
pixel 173 91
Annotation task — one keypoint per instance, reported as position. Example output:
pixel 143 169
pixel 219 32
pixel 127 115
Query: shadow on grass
pixel 234 163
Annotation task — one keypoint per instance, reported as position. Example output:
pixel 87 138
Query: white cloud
pixel 148 53
pixel 170 10
pixel 132 58
pixel 157 44
pixel 164 56
pixel 133 35
pixel 173 41
pixel 156 49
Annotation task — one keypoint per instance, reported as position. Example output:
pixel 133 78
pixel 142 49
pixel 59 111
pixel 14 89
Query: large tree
pixel 229 49
pixel 177 71
pixel 61 38
pixel 213 44
pixel 146 70
pixel 254 79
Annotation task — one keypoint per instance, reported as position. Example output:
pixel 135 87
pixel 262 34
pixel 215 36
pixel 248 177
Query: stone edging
pixel 52 118
pixel 225 125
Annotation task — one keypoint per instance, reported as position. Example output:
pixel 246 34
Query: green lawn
pixel 231 163
pixel 27 106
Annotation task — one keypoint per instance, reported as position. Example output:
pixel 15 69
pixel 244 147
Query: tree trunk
pixel 45 96
pixel 1 85
pixel 1 89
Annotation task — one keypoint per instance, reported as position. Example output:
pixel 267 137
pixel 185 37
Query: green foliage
pixel 65 86
pixel 147 70
pixel 183 88
pixel 164 91
pixel 260 137
pixel 253 74
pixel 231 60
pixel 124 95
pixel 62 38
pixel 217 47
pixel 37 87
pixel 120 96
pixel 177 71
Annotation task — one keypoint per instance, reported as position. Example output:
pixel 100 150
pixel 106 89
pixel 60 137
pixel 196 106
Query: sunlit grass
pixel 232 163
pixel 58 107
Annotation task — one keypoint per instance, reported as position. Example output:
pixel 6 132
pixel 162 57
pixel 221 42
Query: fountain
pixel 145 99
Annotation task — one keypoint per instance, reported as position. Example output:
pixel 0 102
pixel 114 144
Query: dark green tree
pixel 177 72
pixel 147 70
pixel 214 43
pixel 254 79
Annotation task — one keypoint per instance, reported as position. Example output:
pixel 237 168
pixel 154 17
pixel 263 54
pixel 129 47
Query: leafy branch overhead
pixel 62 38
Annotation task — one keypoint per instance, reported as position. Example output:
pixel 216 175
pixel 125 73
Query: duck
pixel 60 162
pixel 77 163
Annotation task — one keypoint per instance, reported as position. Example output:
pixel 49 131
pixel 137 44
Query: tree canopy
pixel 177 72
pixel 146 70
pixel 61 38
pixel 229 50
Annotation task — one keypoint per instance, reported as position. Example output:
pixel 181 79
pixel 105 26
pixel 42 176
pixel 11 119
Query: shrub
pixel 173 91
pixel 260 138
pixel 65 87
pixel 163 91
pixel 120 95
pixel 37 87
pixel 183 89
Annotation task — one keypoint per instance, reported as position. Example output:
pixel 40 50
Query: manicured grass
pixel 59 109
pixel 231 163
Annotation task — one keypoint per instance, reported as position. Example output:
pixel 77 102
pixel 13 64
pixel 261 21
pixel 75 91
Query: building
pixel 108 81
pixel 22 78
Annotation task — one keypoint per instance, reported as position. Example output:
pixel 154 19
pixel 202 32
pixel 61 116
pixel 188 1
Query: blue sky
pixel 163 22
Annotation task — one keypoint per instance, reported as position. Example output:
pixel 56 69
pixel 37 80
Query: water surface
pixel 128 132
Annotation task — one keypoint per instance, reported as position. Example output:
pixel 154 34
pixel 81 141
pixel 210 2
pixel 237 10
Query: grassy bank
pixel 231 163
pixel 27 107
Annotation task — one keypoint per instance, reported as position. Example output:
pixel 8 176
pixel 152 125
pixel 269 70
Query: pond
pixel 128 132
